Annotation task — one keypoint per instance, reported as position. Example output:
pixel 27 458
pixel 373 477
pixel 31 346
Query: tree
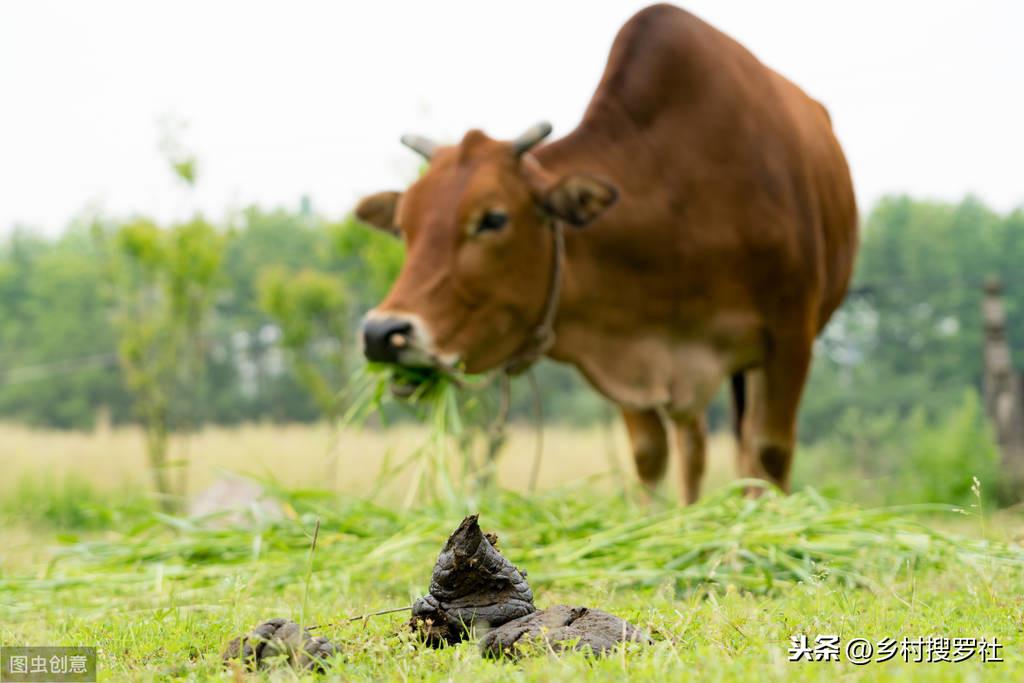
pixel 162 283
pixel 57 361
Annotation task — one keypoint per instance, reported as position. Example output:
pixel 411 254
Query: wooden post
pixel 1004 392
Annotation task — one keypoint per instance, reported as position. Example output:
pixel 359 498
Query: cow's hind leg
pixel 772 398
pixel 650 444
pixel 746 421
pixel 691 431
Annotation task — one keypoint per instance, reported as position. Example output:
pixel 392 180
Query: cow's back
pixel 729 172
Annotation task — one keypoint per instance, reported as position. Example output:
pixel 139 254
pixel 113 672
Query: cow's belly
pixel 681 376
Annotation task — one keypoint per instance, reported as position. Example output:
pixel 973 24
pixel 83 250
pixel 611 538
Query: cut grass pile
pixel 566 539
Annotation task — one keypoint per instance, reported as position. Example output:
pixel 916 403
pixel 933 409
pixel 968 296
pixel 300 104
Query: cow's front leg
pixel 691 431
pixel 650 445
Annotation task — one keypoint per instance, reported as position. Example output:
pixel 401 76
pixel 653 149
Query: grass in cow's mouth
pixel 416 385
pixel 459 414
pixel 375 385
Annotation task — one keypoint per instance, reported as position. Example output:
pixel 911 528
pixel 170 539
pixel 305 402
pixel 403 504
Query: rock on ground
pixel 232 501
pixel 560 627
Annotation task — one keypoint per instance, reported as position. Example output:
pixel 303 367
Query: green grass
pixel 721 585
pixel 71 504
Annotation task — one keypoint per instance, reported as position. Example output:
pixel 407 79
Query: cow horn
pixel 421 145
pixel 531 137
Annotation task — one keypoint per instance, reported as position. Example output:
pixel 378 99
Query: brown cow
pixel 698 224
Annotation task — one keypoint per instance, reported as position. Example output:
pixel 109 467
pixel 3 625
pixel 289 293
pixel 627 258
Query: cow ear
pixel 378 210
pixel 579 199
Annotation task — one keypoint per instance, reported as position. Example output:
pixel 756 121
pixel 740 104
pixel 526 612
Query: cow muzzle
pixel 399 339
pixel 384 339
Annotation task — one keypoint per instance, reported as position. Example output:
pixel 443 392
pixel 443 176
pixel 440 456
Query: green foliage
pixel 182 162
pixel 303 301
pixel 883 459
pixel 910 335
pixel 57 345
pixel 369 259
pixel 312 309
pixel 162 285
pixel 186 169
pixel 945 459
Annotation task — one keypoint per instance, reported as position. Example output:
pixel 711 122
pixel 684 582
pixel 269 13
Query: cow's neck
pixel 617 300
pixel 542 338
pixel 613 325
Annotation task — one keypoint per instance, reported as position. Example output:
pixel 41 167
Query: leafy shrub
pixel 883 459
pixel 944 458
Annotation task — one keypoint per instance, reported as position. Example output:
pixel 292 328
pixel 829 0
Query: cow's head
pixel 479 255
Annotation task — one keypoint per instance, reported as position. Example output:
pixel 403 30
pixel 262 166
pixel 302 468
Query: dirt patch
pixel 472 586
pixel 279 642
pixel 558 628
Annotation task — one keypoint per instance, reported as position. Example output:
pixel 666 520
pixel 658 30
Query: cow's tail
pixel 738 384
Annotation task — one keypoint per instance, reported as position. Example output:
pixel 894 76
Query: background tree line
pixel 289 286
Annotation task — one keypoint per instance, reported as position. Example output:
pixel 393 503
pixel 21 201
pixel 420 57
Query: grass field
pixel 721 586
pixel 303 455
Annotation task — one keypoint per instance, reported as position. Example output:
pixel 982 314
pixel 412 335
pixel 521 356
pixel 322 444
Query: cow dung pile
pixel 472 585
pixel 556 627
pixel 279 641
pixel 474 589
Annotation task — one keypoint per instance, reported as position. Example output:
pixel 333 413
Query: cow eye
pixel 492 220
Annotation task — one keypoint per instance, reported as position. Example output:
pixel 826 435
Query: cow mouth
pixel 413 383
pixel 407 383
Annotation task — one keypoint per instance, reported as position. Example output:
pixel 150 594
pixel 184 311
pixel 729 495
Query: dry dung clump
pixel 279 641
pixel 558 628
pixel 472 585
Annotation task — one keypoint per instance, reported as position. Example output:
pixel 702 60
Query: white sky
pixel 292 98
